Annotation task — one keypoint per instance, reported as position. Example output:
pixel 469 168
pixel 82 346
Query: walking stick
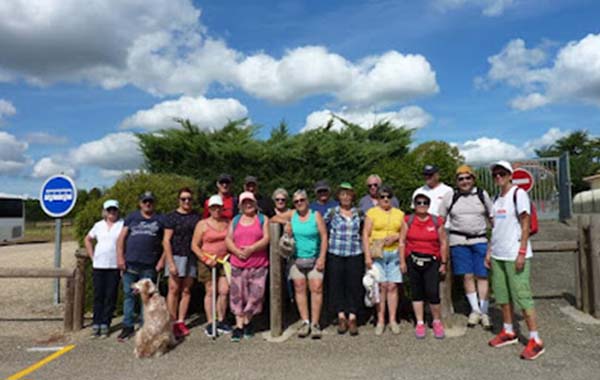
pixel 214 302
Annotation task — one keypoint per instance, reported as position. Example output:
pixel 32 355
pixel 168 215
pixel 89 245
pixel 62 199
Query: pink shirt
pixel 213 241
pixel 244 236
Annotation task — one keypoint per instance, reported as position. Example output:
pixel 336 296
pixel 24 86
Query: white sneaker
pixel 474 319
pixel 486 322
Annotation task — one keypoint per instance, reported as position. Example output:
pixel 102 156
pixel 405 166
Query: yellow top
pixel 385 223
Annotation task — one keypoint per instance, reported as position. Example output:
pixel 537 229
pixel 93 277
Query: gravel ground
pixel 572 348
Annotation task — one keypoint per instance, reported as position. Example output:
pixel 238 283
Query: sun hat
pixel 246 195
pixel 215 200
pixel 110 203
pixel 465 169
pixel 504 165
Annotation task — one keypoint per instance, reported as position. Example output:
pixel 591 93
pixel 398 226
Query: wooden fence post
pixel 581 277
pixel 594 269
pixel 446 297
pixel 79 293
pixel 275 273
pixel 69 298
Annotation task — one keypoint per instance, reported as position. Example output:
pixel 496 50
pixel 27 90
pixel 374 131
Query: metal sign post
pixel 57 257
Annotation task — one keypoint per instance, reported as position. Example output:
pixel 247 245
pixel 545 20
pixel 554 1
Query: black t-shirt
pixel 183 229
pixel 144 239
pixel 265 205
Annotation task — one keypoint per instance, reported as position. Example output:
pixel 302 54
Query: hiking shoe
pixel 104 331
pixel 353 327
pixel 395 327
pixel 474 319
pixel 223 327
pixel 420 331
pixel 176 330
pixel 183 329
pixel 209 332
pixel 316 332
pixel 95 332
pixel 248 331
pixel 379 329
pixel 503 339
pixel 237 334
pixel 304 330
pixel 533 350
pixel 486 322
pixel 126 333
pixel 438 330
pixel 342 326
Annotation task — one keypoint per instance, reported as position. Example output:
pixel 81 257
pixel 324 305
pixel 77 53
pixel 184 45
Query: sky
pixel 78 79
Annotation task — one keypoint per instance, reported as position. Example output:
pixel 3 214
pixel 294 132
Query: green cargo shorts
pixel 510 285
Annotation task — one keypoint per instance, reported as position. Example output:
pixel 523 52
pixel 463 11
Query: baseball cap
pixel 147 196
pixel 250 179
pixel 430 169
pixel 421 193
pixel 465 169
pixel 503 164
pixel 346 186
pixel 110 203
pixel 322 185
pixel 245 196
pixel 215 200
pixel 224 177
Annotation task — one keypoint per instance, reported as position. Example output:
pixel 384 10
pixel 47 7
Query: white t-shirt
pixel 105 253
pixel 436 195
pixel 506 235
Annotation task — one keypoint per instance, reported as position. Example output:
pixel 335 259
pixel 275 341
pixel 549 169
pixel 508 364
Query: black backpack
pixel 457 194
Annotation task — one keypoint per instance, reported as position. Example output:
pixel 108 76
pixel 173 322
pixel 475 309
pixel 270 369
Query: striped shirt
pixel 344 233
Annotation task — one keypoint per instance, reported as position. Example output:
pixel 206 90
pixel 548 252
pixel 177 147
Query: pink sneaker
pixel 438 330
pixel 183 329
pixel 420 331
pixel 177 329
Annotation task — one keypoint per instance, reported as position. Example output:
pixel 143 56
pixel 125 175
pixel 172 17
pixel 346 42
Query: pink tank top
pixel 213 241
pixel 244 236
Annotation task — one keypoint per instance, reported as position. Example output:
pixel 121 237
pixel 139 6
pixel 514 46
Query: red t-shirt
pixel 422 236
pixel 227 208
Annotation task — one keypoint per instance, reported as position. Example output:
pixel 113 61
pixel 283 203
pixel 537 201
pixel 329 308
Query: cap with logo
pixel 430 169
pixel 147 196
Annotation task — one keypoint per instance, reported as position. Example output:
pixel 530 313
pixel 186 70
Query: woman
pixel 423 244
pixel 310 234
pixel 383 226
pixel 247 240
pixel 280 197
pixel 208 244
pixel 179 259
pixel 104 263
pixel 345 262
pixel 468 214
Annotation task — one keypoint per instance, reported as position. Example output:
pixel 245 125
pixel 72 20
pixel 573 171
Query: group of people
pixel 348 242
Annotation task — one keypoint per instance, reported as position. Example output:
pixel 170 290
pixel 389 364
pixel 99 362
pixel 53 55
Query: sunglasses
pixel 297 201
pixel 464 178
pixel 422 203
pixel 185 199
pixel 279 199
pixel 112 209
pixel 499 174
pixel 224 183
pixel 370 185
pixel 385 196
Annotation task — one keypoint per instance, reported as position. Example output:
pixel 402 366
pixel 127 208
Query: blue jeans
pixel 132 275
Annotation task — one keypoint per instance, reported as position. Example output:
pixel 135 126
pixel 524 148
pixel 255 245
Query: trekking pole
pixel 214 302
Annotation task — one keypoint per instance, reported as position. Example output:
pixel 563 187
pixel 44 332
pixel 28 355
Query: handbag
pixel 287 246
pixel 376 249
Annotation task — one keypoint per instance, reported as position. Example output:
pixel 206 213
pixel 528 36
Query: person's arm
pixel 282 218
pixel 443 247
pixel 121 248
pixel 168 252
pixel 402 247
pixel 523 206
pixel 231 245
pixel 89 245
pixel 320 264
pixel 205 211
pixel 367 228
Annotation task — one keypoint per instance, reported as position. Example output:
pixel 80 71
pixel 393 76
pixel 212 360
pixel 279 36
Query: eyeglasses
pixel 297 201
pixel 385 196
pixel 185 199
pixel 370 185
pixel 465 178
pixel 280 199
pixel 499 174
pixel 422 203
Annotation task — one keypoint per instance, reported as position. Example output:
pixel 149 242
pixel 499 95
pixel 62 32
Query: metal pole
pixel 57 246
pixel 214 302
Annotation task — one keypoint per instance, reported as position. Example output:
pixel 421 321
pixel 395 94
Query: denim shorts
pixel 186 266
pixel 389 267
pixel 469 259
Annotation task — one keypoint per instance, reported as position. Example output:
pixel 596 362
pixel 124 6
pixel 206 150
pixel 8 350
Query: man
pixel 139 249
pixel 370 200
pixel 434 188
pixel 224 186
pixel 265 204
pixel 323 202
pixel 509 257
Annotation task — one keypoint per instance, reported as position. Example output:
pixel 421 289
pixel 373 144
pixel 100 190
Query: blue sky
pixel 498 78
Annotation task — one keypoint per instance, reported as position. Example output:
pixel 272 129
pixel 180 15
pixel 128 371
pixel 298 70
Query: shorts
pixel 469 259
pixel 205 272
pixel 510 285
pixel 389 267
pixel 424 279
pixel 303 274
pixel 247 290
pixel 186 266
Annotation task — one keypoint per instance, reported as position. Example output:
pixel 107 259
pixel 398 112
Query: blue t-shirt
pixel 322 208
pixel 144 239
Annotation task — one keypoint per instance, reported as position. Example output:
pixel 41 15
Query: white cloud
pixel 6 109
pixel 208 114
pixel 490 8
pixel 107 173
pixel 12 154
pixel 545 140
pixel 574 75
pixel 44 138
pixel 48 166
pixel 412 117
pixel 161 47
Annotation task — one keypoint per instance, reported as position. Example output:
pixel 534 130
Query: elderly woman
pixel 310 235
pixel 345 262
pixel 382 229
pixel 180 260
pixel 208 243
pixel 424 253
pixel 247 240
pixel 370 200
pixel 468 213
pixel 104 263
pixel 280 197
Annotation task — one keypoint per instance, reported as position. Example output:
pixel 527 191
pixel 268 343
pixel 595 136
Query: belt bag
pixel 421 260
pixel 468 236
pixel 305 263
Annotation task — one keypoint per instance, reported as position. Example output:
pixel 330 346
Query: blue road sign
pixel 58 196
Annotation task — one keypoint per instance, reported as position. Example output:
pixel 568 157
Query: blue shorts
pixel 389 267
pixel 469 259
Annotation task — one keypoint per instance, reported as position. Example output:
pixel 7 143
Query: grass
pixel 44 232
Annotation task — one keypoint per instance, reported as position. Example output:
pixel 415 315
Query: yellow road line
pixel 41 363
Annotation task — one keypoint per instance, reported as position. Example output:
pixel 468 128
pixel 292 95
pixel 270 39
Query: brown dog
pixel 155 337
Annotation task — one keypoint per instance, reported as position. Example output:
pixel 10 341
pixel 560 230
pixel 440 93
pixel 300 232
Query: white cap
pixel 503 164
pixel 421 193
pixel 215 200
pixel 110 203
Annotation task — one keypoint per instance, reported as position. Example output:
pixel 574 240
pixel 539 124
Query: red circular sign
pixel 523 179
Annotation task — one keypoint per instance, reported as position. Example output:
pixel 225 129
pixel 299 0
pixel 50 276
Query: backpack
pixel 457 194
pixel 236 220
pixel 411 219
pixel 533 217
